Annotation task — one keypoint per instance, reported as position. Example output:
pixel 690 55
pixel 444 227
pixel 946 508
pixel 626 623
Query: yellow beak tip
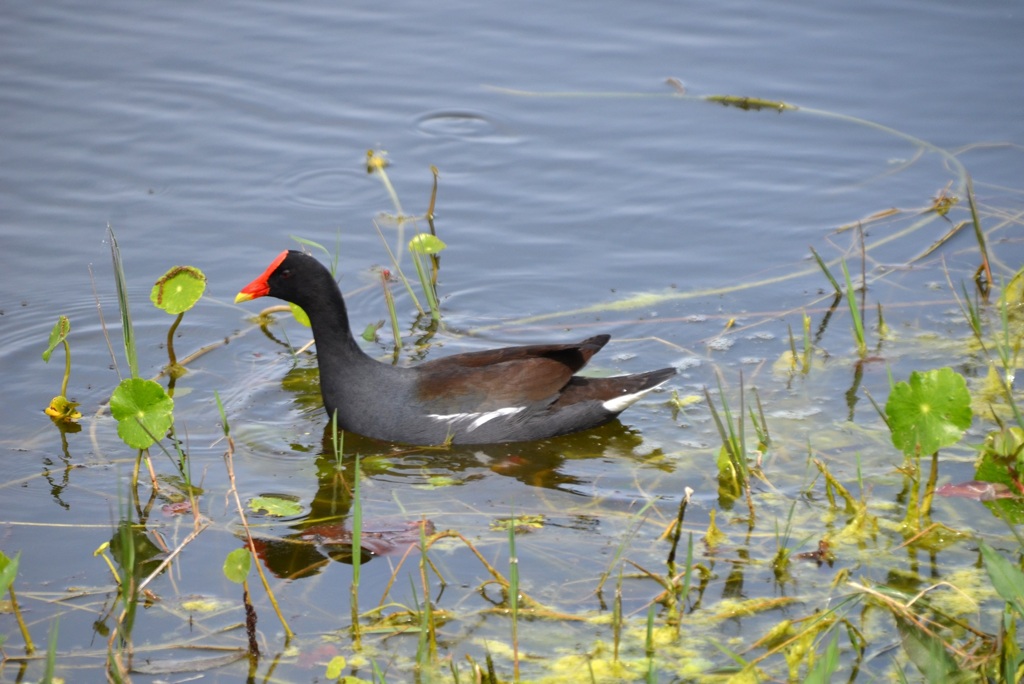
pixel 242 297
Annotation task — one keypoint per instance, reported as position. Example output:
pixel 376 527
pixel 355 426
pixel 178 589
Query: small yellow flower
pixel 62 410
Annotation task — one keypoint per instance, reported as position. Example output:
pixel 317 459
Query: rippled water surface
pixel 579 192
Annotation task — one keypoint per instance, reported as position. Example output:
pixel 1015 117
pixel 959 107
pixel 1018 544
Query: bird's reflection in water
pixel 324 534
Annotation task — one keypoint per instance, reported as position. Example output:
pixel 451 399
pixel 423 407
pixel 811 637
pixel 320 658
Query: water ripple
pixel 461 125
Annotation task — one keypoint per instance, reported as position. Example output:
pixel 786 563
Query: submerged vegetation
pixel 813 559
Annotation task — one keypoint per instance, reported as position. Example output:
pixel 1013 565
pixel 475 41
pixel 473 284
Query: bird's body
pixel 512 394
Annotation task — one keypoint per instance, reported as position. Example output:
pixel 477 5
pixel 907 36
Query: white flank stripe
pixel 620 404
pixel 477 418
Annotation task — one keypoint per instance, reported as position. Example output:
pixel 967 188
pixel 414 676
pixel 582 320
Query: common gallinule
pixel 514 394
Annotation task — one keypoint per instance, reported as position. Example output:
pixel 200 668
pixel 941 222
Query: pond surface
pixel 579 192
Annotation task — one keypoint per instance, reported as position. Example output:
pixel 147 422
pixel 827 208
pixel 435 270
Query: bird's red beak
pixel 260 287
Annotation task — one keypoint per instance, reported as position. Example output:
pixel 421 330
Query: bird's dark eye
pixel 286 273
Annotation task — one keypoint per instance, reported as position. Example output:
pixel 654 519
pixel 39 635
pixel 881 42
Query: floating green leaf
pixel 204 604
pixel 335 666
pixel 520 523
pixel 930 412
pixel 236 565
pixel 370 331
pixel 438 481
pixel 143 411
pixel 179 289
pixel 425 243
pixel 275 505
pixel 59 333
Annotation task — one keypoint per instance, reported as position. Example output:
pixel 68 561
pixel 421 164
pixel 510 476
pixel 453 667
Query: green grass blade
pixel 51 653
pixel 858 323
pixel 122 301
pixel 828 274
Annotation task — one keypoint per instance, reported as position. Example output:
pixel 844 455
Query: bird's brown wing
pixel 497 378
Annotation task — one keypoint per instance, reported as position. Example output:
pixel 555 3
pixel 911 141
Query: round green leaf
pixel 143 411
pixel 930 412
pixel 236 565
pixel 425 243
pixel 60 331
pixel 179 289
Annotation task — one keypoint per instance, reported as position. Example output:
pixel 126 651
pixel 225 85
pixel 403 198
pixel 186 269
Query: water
pixel 208 134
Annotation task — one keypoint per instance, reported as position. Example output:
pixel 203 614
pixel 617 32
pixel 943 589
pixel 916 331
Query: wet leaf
pixel 236 565
pixel 179 289
pixel 1007 579
pixel 143 411
pixel 425 243
pixel 370 331
pixel 1004 447
pixel 439 481
pixel 59 333
pixel 335 666
pixel 203 605
pixel 277 506
pixel 521 523
pixel 929 412
pixel 928 653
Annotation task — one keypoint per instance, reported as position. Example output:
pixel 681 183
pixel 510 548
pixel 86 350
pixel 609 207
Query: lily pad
pixel 277 506
pixel 929 412
pixel 143 411
pixel 335 666
pixel 520 523
pixel 237 564
pixel 179 289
